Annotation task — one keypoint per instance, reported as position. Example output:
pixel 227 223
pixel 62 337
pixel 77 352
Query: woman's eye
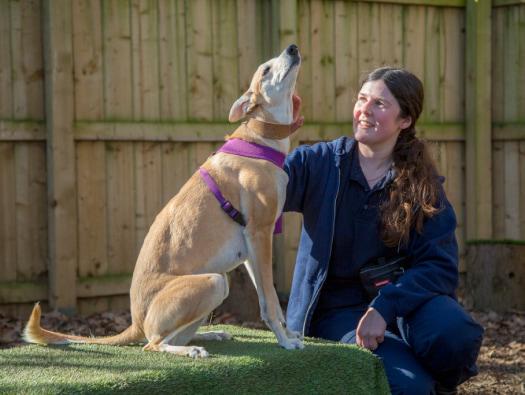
pixel 380 103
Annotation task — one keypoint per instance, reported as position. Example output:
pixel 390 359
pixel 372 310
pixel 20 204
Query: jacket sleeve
pixel 434 270
pixel 296 166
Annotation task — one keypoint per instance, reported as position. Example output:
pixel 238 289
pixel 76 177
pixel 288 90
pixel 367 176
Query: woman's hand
pixel 371 329
pixel 298 120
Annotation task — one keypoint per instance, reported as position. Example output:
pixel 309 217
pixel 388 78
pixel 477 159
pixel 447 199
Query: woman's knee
pixel 452 337
pixel 403 383
pixel 404 372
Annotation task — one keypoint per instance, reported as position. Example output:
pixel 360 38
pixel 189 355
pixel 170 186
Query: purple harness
pixel 250 150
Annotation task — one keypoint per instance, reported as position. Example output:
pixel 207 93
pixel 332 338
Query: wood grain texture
pixel 92 208
pixel 88 67
pixel 8 223
pixel 6 69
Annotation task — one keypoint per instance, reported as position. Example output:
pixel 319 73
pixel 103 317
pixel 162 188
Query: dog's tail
pixel 34 333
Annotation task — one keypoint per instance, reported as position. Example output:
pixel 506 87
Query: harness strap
pixel 226 205
pixel 253 150
pixel 248 149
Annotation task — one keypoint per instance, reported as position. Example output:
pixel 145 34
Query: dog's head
pixel 269 97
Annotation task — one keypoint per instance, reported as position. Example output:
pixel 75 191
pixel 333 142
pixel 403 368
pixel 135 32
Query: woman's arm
pixel 434 269
pixel 296 167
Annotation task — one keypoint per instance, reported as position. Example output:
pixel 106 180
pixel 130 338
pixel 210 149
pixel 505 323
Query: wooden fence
pixel 107 107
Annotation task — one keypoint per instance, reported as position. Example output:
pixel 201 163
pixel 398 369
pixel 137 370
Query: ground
pixel 501 361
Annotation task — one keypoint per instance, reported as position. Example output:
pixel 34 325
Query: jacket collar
pixel 346 148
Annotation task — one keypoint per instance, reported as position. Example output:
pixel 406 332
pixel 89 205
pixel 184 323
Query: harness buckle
pixel 232 212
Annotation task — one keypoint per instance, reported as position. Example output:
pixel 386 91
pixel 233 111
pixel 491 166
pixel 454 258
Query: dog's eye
pixel 266 70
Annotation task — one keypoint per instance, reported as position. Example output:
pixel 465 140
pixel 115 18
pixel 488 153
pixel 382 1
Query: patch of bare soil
pixel 501 361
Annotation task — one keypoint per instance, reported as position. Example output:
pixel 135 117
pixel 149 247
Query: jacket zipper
pixel 329 256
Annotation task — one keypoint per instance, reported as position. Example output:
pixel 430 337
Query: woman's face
pixel 377 120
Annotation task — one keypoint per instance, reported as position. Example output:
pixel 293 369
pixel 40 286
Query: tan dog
pixel 179 277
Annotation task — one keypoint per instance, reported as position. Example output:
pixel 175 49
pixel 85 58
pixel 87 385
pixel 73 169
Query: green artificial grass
pixel 251 363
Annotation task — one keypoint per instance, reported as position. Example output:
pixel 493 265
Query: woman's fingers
pixel 297 123
pixel 368 342
pixel 297 101
pixel 370 331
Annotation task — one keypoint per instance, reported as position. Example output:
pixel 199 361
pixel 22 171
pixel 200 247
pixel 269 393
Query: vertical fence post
pixel 62 211
pixel 287 35
pixel 478 120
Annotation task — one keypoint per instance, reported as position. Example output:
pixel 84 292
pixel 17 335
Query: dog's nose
pixel 292 50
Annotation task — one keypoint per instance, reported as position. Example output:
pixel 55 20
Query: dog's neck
pixel 273 131
pixel 271 135
pixel 279 114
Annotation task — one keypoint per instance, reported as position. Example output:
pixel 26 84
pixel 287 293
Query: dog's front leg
pixel 259 267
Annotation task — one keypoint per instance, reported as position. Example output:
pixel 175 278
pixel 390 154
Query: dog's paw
pixel 293 344
pixel 294 334
pixel 197 352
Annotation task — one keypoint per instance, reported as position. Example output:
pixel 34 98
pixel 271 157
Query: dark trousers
pixel 439 342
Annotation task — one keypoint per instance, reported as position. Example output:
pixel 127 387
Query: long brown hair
pixel 414 192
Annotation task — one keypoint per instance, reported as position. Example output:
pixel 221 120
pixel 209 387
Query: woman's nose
pixel 366 107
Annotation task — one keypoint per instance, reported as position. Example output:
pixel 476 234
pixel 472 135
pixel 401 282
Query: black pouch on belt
pixel 381 272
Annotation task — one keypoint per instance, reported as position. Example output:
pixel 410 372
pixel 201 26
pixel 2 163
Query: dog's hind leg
pixel 179 308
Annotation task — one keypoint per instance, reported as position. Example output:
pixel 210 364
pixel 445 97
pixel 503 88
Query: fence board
pixel 520 101
pixel 346 67
pixel 414 39
pixel 498 203
pixel 172 60
pixel 199 55
pixel 148 188
pixel 247 35
pixel 455 187
pixel 117 59
pixel 175 170
pixel 31 226
pixel 145 60
pixel 368 36
pixel 304 36
pixel 92 208
pixel 511 65
pixel 6 71
pixel 391 35
pixel 453 44
pixel 512 190
pixel 433 58
pixel 225 66
pixel 292 223
pixel 27 62
pixel 121 207
pixel 8 225
pixel 498 72
pixel 323 60
pixel 87 56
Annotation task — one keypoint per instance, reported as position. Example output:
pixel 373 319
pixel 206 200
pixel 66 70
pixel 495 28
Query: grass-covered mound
pixel 251 363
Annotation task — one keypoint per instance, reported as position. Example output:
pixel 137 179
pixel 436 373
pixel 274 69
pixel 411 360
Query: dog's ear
pixel 240 108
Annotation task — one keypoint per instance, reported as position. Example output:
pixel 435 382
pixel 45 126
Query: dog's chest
pixel 232 254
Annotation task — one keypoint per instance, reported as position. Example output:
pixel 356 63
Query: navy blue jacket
pixel 314 182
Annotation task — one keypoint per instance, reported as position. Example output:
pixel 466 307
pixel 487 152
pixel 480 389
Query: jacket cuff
pixel 385 308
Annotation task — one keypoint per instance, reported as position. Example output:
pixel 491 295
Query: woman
pixel 378 195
